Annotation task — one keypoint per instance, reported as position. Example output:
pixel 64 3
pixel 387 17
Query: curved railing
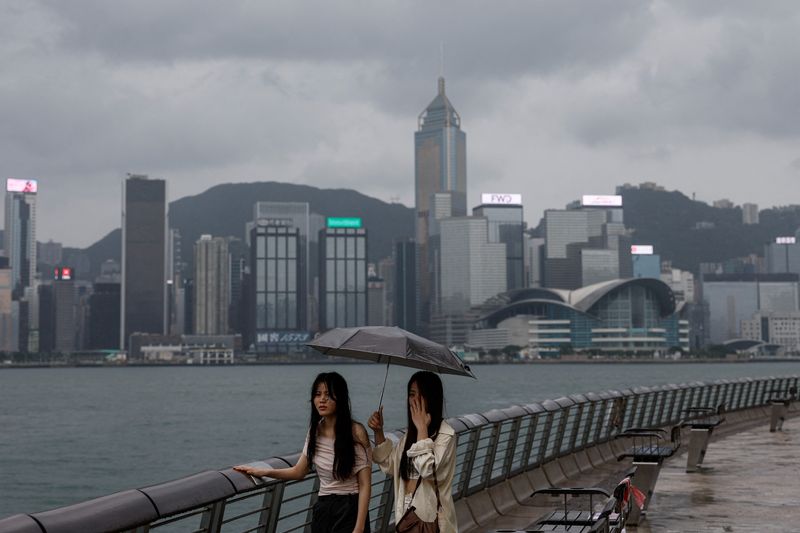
pixel 491 448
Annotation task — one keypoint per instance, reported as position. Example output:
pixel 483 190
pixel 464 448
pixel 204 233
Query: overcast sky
pixel 557 98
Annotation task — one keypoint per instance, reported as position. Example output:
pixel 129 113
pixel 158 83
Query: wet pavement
pixel 751 483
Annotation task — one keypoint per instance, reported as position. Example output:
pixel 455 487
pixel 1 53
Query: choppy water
pixel 71 434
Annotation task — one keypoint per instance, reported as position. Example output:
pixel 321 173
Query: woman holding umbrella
pixel 422 463
pixel 339 449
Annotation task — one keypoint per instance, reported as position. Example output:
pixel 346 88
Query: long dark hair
pixel 344 458
pixel 430 387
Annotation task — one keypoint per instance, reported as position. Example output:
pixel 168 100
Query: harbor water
pixel 71 434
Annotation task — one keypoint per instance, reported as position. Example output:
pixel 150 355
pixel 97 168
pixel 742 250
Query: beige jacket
pixel 387 455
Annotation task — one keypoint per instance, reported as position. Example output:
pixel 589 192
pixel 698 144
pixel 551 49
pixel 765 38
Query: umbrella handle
pixel 380 402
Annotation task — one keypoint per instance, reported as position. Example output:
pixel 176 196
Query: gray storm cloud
pixel 585 95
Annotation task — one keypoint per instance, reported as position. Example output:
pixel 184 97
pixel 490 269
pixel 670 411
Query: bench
pixel 649 449
pixel 701 422
pixel 779 401
pixel 610 518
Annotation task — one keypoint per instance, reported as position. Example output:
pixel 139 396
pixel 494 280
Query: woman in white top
pixel 339 449
pixel 424 459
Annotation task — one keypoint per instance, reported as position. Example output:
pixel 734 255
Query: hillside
pixel 224 210
pixel 668 219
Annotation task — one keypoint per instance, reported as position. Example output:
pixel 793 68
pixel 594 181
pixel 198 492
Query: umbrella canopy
pixel 393 345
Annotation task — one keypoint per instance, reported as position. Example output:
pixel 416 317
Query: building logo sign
pixel 501 199
pixel 283 337
pixel 786 240
pixel 63 273
pixel 600 200
pixel 344 222
pixel 642 249
pixel 15 185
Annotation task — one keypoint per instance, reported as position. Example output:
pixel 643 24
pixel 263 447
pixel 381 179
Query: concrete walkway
pixel 751 484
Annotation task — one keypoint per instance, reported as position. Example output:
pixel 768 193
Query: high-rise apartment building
pixel 211 285
pixel 19 234
pixel 343 283
pixel 144 262
pixel 506 225
pixel 440 157
pixel 749 214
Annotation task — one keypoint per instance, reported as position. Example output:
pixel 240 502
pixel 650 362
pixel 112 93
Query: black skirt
pixel 336 513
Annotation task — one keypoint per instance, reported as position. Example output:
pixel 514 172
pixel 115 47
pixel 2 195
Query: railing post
pixel 386 504
pixel 491 453
pixel 511 449
pixel 312 501
pixel 211 521
pixel 472 449
pixel 268 519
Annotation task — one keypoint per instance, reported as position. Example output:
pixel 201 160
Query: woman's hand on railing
pixel 253 471
pixel 375 423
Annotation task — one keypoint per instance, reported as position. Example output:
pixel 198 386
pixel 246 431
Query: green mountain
pixel 689 232
pixel 683 230
pixel 224 210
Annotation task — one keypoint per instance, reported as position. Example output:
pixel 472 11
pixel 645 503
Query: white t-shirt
pixel 323 461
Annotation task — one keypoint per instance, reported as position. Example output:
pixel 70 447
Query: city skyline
pixel 585 97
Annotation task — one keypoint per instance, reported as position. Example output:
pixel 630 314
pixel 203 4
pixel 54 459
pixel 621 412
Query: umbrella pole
pixel 380 402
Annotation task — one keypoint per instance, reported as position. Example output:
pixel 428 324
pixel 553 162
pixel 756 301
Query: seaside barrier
pixel 498 452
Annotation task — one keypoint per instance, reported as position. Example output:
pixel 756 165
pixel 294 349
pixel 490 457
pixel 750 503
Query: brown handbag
pixel 410 522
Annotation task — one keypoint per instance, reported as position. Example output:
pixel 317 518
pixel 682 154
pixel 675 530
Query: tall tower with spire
pixel 440 178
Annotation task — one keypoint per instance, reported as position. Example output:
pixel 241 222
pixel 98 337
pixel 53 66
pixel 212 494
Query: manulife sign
pixel 344 222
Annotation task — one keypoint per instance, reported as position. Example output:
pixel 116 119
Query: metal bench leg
pixel 645 481
pixel 698 443
pixel 777 414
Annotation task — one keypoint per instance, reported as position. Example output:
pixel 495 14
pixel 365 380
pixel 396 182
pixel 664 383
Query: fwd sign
pixel 501 199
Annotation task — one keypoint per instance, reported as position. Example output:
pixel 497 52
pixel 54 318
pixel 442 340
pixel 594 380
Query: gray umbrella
pixel 390 345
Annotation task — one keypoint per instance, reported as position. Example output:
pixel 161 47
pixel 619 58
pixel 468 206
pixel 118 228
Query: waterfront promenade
pixel 751 485
pixel 502 456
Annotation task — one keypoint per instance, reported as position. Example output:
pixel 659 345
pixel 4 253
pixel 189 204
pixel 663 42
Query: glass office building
pixel 144 257
pixel 279 284
pixel 506 225
pixel 440 166
pixel 343 280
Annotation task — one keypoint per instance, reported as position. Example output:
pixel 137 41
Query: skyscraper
pixel 473 268
pixel 440 157
pixel 144 249
pixel 586 243
pixel 405 285
pixel 211 285
pixel 6 321
pixel 343 284
pixel 298 215
pixel 64 333
pixel 20 233
pixel 504 215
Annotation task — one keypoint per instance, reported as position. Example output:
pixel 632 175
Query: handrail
pixel 491 447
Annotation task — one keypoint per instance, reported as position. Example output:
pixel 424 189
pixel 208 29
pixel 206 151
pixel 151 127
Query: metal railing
pixel 491 447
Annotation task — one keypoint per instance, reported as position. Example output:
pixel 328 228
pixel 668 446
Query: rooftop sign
pixel 344 222
pixel 501 199
pixel 786 240
pixel 642 249
pixel 15 185
pixel 600 200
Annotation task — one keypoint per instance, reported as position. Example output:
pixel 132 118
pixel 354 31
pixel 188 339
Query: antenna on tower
pixel 441 59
